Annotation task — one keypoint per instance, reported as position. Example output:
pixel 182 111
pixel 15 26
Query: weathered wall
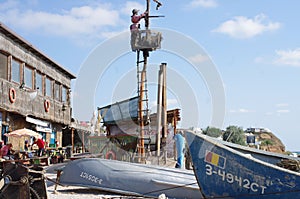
pixel 30 59
pixel 26 106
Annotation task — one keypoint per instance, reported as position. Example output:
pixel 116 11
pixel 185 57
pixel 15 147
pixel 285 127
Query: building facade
pixel 34 89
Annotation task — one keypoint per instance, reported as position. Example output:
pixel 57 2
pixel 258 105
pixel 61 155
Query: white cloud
pixel 127 9
pixel 171 104
pixel 199 58
pixel 259 60
pixel 202 3
pixel 89 22
pixel 282 105
pixel 283 111
pixel 268 113
pixel 288 57
pixel 242 110
pixel 242 27
pixel 8 5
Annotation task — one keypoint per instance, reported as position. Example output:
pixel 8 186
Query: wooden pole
pixel 141 149
pixel 72 139
pixel 164 110
pixel 164 100
pixel 174 130
pixel 159 110
pixel 82 140
pixel 147 14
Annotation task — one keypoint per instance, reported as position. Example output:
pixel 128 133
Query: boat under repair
pixel 130 178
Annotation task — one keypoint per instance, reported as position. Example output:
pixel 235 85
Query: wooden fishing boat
pixel 223 172
pixel 130 178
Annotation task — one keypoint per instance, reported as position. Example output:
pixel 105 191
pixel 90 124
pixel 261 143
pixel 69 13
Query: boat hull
pixel 130 178
pixel 223 172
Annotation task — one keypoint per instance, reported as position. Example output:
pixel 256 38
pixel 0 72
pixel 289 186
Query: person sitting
pixel 28 153
pixel 1 144
pixel 6 152
pixel 26 145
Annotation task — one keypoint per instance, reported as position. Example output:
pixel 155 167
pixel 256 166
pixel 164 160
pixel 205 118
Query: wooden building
pixel 34 89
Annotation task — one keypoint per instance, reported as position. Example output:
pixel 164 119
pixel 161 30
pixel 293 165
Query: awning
pixel 41 126
pixel 37 122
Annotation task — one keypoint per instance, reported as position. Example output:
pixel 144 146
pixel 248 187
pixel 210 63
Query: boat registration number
pixel 233 179
pixel 91 178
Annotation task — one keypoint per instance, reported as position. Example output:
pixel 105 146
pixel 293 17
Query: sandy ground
pixel 72 192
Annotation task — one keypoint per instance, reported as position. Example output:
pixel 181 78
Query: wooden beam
pixel 72 139
pixel 159 111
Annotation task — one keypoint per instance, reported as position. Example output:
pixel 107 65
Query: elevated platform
pixel 145 40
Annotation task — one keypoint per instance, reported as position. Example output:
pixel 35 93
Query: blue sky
pixel 254 46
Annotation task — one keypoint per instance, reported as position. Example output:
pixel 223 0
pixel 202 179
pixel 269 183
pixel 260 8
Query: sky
pixel 228 62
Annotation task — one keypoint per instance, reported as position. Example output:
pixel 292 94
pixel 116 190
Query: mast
pixel 143 110
pixel 142 90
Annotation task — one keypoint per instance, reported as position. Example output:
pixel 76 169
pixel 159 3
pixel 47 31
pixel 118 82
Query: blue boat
pixel 223 172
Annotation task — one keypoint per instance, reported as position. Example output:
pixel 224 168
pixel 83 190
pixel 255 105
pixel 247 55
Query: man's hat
pixel 135 11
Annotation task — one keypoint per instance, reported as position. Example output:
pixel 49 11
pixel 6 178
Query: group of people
pixel 6 151
pixel 39 142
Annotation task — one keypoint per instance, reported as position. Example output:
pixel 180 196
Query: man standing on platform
pixel 135 26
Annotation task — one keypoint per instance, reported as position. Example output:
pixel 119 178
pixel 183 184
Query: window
pixel 28 73
pixel 15 71
pixel 64 94
pixel 57 91
pixel 48 87
pixel 39 83
pixel 3 66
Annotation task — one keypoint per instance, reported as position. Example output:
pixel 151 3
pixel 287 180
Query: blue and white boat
pixel 223 172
